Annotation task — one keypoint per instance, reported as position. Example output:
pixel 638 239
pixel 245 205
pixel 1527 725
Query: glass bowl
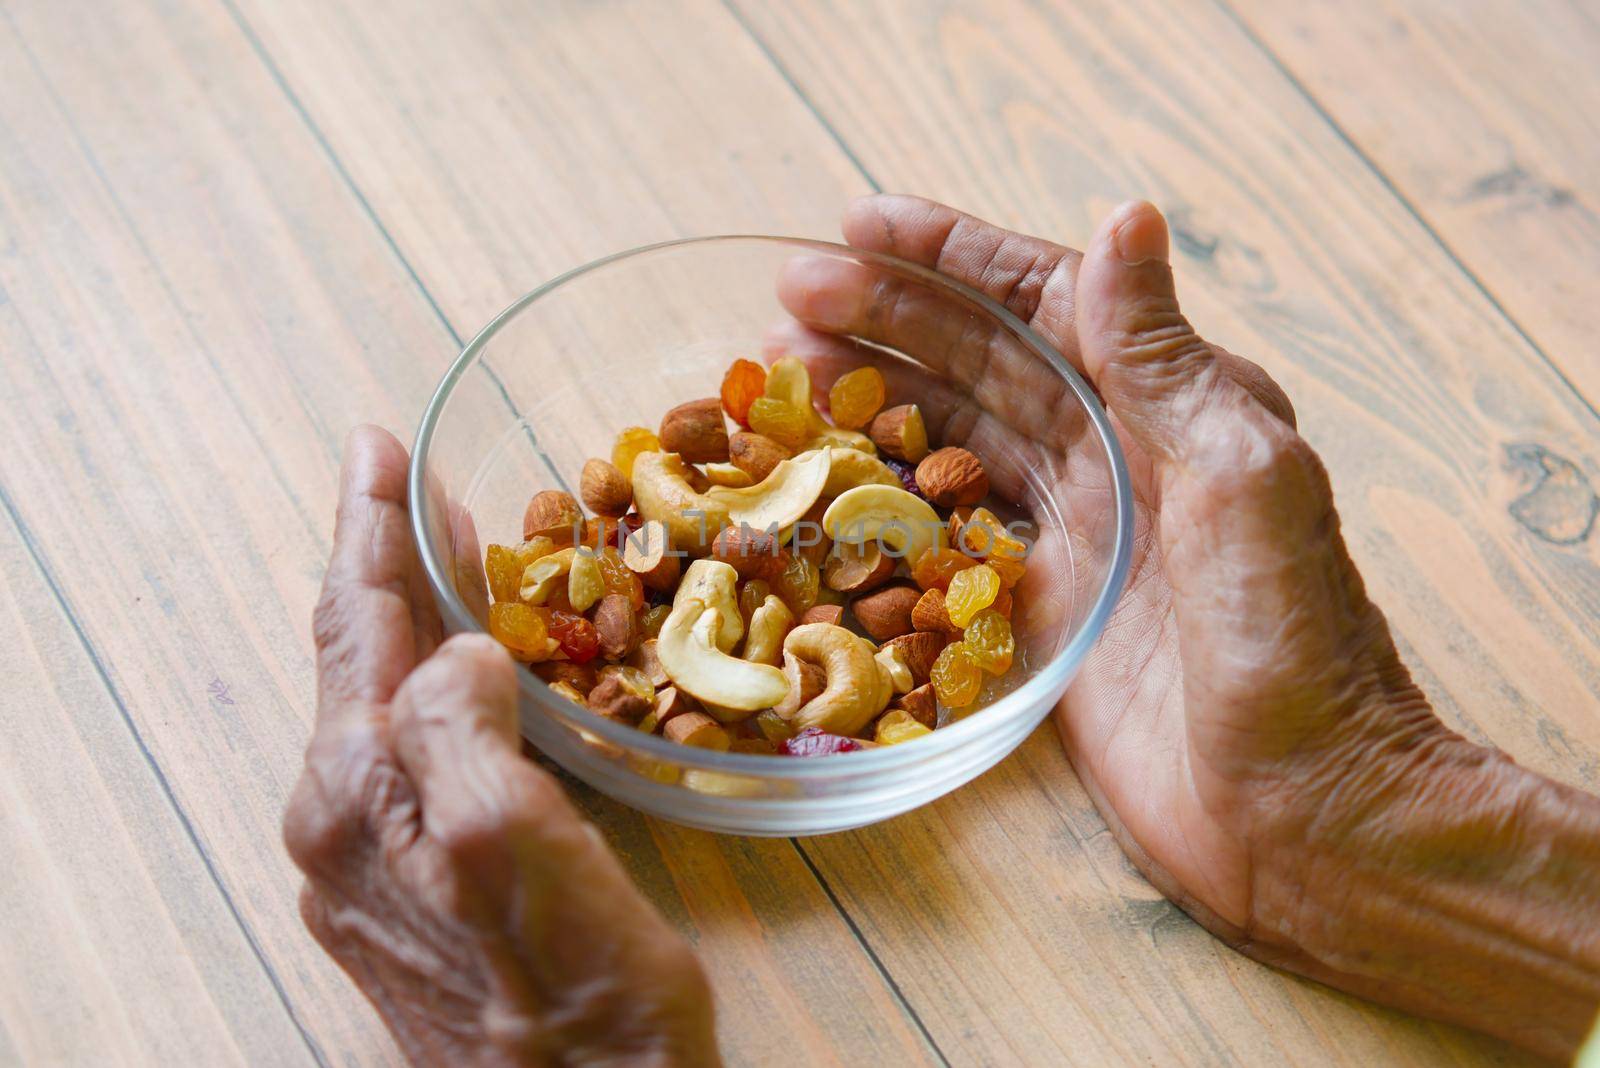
pixel 615 343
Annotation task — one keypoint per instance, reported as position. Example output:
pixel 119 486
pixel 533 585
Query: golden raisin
pixel 506 563
pixel 630 443
pixel 521 629
pixel 983 535
pixel 619 578
pixel 797 584
pixel 780 421
pixel 752 595
pixel 896 726
pixel 856 397
pixel 970 592
pixel 745 381
pixel 989 642
pixel 934 568
pixel 956 677
pixel 651 622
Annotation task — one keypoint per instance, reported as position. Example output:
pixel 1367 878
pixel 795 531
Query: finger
pixel 1260 385
pixel 362 625
pixel 1151 367
pixel 1032 278
pixel 455 734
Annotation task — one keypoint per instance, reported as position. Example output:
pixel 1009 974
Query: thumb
pixel 1148 363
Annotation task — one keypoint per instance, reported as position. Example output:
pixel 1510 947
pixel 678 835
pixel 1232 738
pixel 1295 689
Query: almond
pixel 922 705
pixel 823 613
pixel 697 729
pixel 901 433
pixel 605 490
pixel 857 568
pixel 806 681
pixel 919 650
pixel 929 614
pixel 755 454
pixel 579 677
pixel 886 614
pixel 696 431
pixel 649 554
pixel 615 700
pixel 952 476
pixel 552 513
pixel 616 626
pixel 752 553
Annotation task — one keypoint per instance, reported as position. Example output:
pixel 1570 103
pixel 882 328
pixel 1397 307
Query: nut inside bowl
pixel 549 383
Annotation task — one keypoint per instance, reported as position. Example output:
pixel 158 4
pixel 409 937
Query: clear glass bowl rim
pixel 1050 676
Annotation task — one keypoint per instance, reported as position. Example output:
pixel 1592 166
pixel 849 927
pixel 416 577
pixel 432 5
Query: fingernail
pixel 1141 236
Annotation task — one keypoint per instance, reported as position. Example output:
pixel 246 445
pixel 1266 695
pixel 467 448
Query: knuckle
pixel 344 793
pixel 328 620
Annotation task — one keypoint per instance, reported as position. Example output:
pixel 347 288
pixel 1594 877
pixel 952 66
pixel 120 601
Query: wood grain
pixel 197 303
pixel 229 230
pixel 1485 116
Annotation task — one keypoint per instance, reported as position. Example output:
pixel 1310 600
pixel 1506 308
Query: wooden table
pixel 229 229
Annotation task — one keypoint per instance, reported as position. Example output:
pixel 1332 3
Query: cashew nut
pixel 789 381
pixel 896 672
pixel 904 523
pixel 661 492
pixel 857 689
pixel 539 579
pixel 781 498
pixel 769 623
pixel 851 468
pixel 701 631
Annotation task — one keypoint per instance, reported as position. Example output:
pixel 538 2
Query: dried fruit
pixel 696 432
pixel 952 476
pixel 743 383
pixel 1002 600
pixel 908 476
pixel 797 584
pixel 989 642
pixel 752 595
pixel 934 569
pixel 635 680
pixel 629 444
pixel 616 626
pixel 552 513
pixel 956 677
pixel 814 741
pixel 504 565
pixel 605 490
pixel 896 726
pixel 773 727
pixel 575 636
pixel 886 613
pixel 929 614
pixel 855 397
pixel 780 421
pixel 755 454
pixel 901 433
pixel 983 535
pixel 523 630
pixel 654 617
pixel 619 578
pixel 970 592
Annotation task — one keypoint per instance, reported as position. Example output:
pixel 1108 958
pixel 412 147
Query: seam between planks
pixel 104 675
pixel 1405 202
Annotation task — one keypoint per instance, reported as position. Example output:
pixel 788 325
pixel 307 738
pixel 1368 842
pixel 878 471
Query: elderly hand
pixel 1245 723
pixel 452 879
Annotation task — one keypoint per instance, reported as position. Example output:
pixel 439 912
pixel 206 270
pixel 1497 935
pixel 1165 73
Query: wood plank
pixel 1426 403
pixel 196 306
pixel 116 943
pixel 1486 117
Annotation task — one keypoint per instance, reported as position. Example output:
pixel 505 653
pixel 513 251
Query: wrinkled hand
pixel 1244 724
pixel 448 875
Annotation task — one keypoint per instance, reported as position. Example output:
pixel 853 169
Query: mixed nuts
pixel 790 588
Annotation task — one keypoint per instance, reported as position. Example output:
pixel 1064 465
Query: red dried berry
pixel 576 636
pixel 814 741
